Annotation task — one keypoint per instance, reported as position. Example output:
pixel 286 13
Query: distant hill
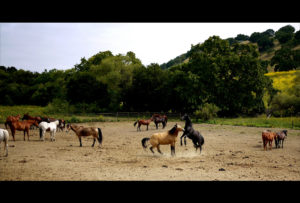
pixel 266 51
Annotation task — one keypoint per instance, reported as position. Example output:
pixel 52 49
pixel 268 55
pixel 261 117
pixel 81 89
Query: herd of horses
pixel 162 138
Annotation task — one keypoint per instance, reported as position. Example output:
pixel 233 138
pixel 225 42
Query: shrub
pixel 207 111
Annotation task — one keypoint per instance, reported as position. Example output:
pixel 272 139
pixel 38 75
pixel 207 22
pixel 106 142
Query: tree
pixel 241 37
pixel 285 34
pixel 284 59
pixel 231 78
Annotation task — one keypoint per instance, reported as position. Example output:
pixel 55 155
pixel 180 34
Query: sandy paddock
pixel 229 153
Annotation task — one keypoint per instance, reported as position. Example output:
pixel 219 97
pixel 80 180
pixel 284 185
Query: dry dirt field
pixel 229 153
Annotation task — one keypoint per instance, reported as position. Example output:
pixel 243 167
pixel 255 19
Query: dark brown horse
pixel 10 119
pixel 142 122
pixel 280 138
pixel 160 116
pixel 158 120
pixel 22 126
pixel 37 118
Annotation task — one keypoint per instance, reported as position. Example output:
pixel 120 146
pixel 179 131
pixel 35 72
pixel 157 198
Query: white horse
pixel 52 127
pixel 4 135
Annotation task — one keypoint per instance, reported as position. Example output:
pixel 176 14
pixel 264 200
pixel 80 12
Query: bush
pixel 207 112
pixel 74 119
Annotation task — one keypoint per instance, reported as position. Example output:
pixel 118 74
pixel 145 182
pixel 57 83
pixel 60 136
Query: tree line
pixel 227 79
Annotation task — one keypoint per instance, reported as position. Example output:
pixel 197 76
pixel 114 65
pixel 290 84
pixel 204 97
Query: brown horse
pixel 163 138
pixel 37 118
pixel 142 122
pixel 10 119
pixel 22 126
pixel 268 137
pixel 81 131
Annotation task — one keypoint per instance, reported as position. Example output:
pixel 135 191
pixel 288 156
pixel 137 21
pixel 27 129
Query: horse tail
pixel 99 135
pixel 5 124
pixel 135 123
pixel 144 140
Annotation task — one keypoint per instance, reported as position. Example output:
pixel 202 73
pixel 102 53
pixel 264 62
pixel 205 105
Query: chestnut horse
pixel 81 131
pixel 22 126
pixel 10 119
pixel 4 136
pixel 268 137
pixel 163 138
pixel 142 122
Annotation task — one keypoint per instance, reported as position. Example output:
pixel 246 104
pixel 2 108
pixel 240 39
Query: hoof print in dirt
pixel 165 166
pixel 221 169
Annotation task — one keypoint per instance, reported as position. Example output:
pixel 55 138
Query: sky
pixel 40 46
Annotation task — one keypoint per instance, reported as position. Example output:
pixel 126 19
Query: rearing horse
pixel 189 132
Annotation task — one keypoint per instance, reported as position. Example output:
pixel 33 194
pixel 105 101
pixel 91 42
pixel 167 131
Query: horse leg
pixel 158 149
pixel 94 142
pixel 282 143
pixel 6 147
pixel 181 138
pixel 80 141
pixel 172 150
pixel 151 148
pixel 27 134
pixel 24 135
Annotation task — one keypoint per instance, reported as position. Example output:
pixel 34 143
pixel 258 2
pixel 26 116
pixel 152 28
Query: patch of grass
pixel 284 122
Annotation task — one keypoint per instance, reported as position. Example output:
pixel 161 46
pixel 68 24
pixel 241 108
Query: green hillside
pixel 267 43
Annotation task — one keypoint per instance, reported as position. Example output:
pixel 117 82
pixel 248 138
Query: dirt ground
pixel 229 153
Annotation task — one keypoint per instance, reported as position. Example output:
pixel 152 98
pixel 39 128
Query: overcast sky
pixel 40 46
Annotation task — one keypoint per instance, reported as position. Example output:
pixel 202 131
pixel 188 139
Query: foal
pixel 163 138
pixel 86 131
pixel 4 135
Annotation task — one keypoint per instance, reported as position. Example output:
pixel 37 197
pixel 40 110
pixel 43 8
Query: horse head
pixel 175 129
pixel 25 116
pixel 184 117
pixel 285 132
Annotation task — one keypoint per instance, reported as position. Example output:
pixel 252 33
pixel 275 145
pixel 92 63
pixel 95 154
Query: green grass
pixel 284 122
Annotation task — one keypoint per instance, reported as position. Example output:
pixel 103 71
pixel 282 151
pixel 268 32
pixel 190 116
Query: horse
pixel 28 117
pixel 191 133
pixel 81 131
pixel 268 137
pixel 22 126
pixel 10 119
pixel 4 136
pixel 161 116
pixel 163 138
pixel 52 127
pixel 142 122
pixel 158 120
pixel 280 138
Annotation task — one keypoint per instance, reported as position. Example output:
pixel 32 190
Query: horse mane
pixel 173 130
